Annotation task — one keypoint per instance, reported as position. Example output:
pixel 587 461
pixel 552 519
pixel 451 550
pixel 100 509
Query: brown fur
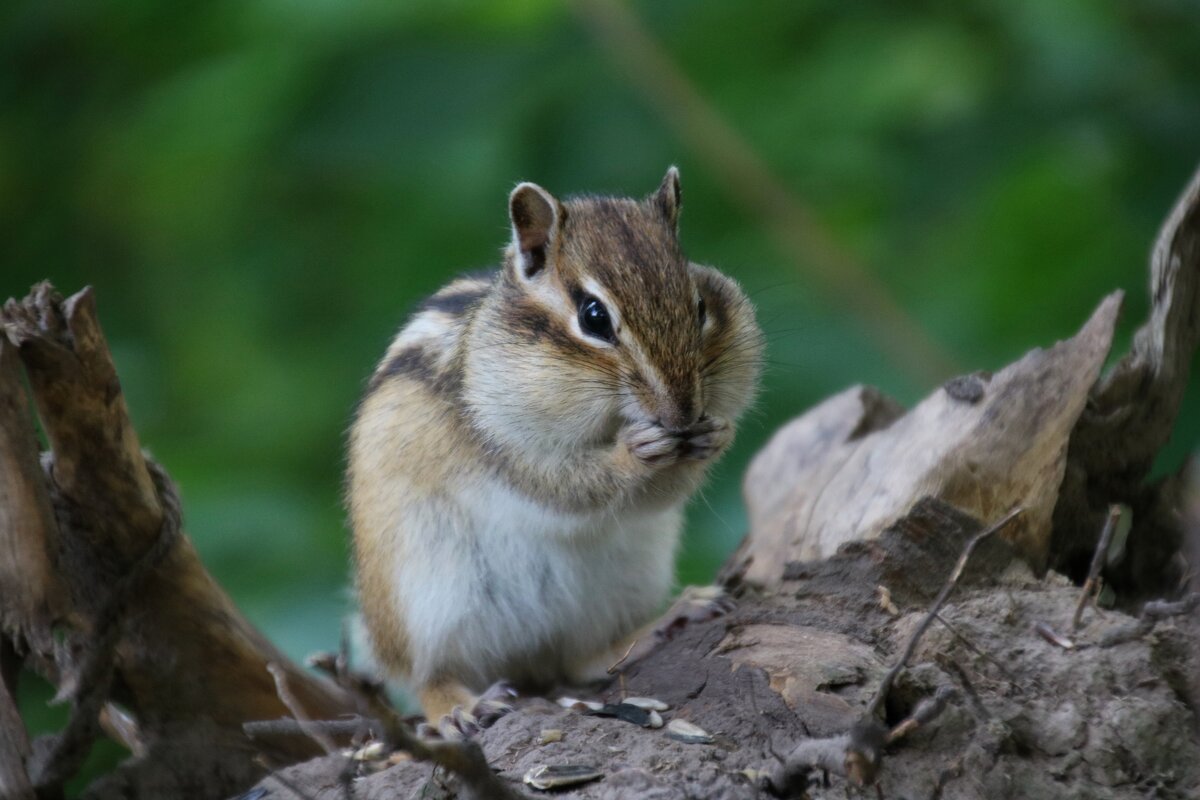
pixel 491 363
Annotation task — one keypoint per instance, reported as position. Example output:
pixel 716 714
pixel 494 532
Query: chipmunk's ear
pixel 535 215
pixel 668 197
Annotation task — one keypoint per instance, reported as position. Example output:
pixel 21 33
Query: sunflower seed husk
pixel 656 720
pixel 683 731
pixel 375 751
pixel 572 702
pixel 648 703
pixel 557 776
pixel 623 711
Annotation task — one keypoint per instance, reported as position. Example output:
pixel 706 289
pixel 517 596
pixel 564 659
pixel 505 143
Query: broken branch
pixel 1152 613
pixel 886 684
pixel 1089 585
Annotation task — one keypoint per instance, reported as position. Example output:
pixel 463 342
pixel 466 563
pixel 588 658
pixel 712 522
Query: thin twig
pixel 926 711
pixel 284 691
pixel 968 687
pixel 463 758
pixel 995 662
pixel 368 691
pixel 330 727
pixel 617 664
pixel 1110 525
pixel 951 581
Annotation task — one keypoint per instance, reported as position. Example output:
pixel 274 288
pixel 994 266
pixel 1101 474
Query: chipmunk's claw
pixel 490 706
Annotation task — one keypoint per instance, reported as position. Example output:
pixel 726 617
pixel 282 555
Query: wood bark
pixel 186 663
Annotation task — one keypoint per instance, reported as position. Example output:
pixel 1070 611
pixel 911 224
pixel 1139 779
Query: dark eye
pixel 594 319
pixel 703 312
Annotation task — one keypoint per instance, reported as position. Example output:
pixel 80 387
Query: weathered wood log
pixel 1046 433
pixel 982 443
pixel 804 662
pixel 187 665
pixel 34 598
pixel 1129 417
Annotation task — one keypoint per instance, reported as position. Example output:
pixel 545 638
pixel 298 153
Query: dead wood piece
pixel 1132 409
pixel 802 665
pixel 858 754
pixel 33 596
pixel 301 715
pixel 463 758
pixel 88 682
pixel 340 728
pixel 111 508
pixel 926 711
pixel 1093 576
pixel 885 686
pixel 98 463
pixel 1152 613
pixel 986 656
pixel 1052 636
pixel 822 481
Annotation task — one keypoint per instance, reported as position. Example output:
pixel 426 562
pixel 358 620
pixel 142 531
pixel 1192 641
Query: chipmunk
pixel 519 464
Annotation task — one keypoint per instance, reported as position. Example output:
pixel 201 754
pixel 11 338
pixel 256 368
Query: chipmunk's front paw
pixel 652 444
pixel 462 723
pixel 707 439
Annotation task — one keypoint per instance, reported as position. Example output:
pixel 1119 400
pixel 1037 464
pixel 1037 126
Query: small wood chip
pixel 1051 636
pixel 885 601
pixel 550 735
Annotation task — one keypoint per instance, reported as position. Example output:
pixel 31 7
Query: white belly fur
pixel 501 588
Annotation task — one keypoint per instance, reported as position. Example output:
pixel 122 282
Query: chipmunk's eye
pixel 703 311
pixel 594 319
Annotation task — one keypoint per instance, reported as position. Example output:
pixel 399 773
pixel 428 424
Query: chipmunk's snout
pixel 678 409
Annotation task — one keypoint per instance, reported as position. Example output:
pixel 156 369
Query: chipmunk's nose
pixel 680 408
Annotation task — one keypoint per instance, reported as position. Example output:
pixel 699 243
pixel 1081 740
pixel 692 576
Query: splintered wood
pixel 187 664
pixel 982 443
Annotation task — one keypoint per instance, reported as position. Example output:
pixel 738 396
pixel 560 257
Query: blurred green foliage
pixel 260 190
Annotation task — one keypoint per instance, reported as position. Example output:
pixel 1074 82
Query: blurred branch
pixel 791 222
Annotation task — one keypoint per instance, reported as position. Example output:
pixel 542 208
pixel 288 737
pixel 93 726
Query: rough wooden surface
pixel 983 443
pixel 1031 720
pixel 33 596
pixel 185 659
pixel 1131 412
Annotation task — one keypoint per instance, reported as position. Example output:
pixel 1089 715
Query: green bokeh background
pixel 259 191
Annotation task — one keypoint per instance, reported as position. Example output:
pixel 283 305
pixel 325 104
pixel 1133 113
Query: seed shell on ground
pixel 683 731
pixel 560 776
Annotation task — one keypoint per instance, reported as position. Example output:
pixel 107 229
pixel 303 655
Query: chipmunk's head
pixel 598 294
